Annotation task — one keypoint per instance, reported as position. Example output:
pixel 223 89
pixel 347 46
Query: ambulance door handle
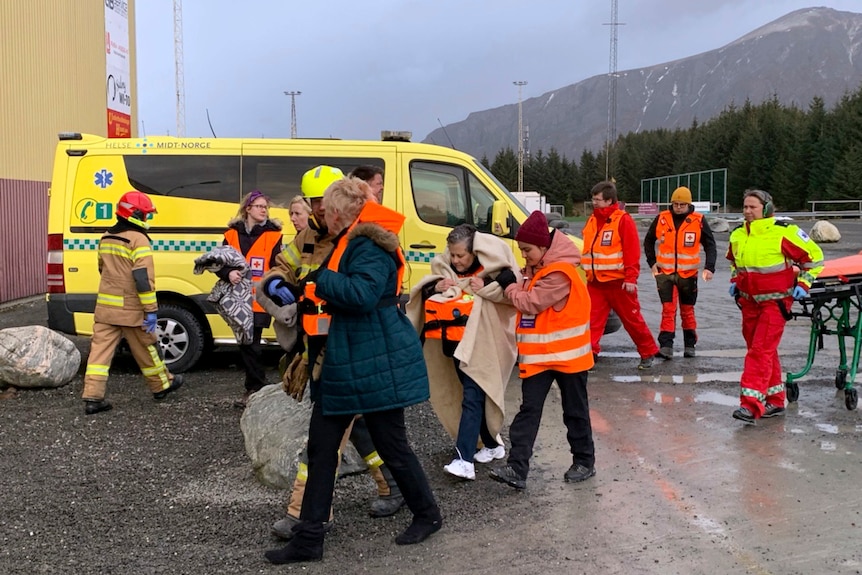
pixel 423 246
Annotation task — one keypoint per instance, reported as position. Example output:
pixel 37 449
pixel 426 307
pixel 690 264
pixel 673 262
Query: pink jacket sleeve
pixel 551 290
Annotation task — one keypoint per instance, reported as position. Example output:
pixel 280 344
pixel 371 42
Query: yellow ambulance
pixel 196 185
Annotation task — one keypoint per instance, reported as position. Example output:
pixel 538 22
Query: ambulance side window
pixel 213 178
pixel 482 201
pixel 439 193
pixel 279 177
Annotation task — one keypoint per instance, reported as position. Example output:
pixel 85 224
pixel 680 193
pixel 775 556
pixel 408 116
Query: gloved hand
pixel 279 291
pixel 150 320
pixel 506 278
pixel 295 377
pixel 310 277
pixel 732 290
pixel 799 293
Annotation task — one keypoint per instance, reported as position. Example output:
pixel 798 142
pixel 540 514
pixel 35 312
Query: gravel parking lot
pixel 167 487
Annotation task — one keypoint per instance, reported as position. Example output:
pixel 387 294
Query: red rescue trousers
pixel 762 380
pixel 607 296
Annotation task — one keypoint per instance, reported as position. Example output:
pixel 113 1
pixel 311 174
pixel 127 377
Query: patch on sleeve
pixel 802 235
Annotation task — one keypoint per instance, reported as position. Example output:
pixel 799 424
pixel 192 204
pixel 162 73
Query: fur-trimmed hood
pixel 384 238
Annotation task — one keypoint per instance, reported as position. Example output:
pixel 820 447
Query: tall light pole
pixel 293 96
pixel 610 140
pixel 520 84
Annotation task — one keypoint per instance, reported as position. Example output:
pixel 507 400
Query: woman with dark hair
pixel 458 308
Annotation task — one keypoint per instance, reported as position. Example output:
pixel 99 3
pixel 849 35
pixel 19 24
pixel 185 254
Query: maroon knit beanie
pixel 534 231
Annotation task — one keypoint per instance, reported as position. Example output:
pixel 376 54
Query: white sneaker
pixel 461 468
pixel 487 455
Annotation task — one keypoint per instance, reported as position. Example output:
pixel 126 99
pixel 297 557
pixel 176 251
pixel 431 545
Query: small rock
pixel 825 232
pixel 718 224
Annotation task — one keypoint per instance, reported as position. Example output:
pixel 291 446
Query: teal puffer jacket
pixel 373 359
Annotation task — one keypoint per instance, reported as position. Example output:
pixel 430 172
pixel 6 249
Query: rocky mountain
pixel 807 53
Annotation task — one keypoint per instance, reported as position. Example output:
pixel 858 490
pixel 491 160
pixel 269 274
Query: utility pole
pixel 293 96
pixel 520 84
pixel 612 92
pixel 178 68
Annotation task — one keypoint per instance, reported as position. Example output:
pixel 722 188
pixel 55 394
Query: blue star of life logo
pixel 104 179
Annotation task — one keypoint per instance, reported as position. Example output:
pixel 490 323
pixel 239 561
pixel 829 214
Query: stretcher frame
pixel 834 306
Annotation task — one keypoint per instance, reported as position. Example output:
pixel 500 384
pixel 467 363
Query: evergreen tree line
pixel 796 155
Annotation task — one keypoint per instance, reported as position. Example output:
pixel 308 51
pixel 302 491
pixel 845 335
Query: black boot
pixel 420 529
pixel 306 545
pixel 92 406
pixel 175 385
pixel 690 336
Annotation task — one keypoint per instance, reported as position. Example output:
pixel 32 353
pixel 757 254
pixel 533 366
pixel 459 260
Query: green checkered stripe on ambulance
pixel 183 245
pixel 80 244
pixel 158 245
pixel 420 257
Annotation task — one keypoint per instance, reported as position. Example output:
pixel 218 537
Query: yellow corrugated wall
pixel 52 79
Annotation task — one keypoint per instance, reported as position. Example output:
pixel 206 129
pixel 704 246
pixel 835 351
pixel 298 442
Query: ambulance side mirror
pixel 500 219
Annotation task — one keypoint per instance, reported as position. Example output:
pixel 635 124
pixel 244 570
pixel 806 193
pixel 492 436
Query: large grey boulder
pixel 275 429
pixel 825 232
pixel 35 356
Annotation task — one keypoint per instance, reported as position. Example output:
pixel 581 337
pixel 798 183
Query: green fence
pixel 706 186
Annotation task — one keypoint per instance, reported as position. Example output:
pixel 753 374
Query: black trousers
pixel 576 417
pixel 255 376
pixel 389 434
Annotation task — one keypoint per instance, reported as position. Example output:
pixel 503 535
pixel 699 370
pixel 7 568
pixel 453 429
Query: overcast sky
pixel 374 65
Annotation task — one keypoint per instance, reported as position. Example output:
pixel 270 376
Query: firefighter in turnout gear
pixel 679 231
pixel 126 305
pixel 764 282
pixel 302 257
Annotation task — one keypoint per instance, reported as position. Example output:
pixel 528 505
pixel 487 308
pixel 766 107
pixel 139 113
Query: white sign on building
pixel 118 69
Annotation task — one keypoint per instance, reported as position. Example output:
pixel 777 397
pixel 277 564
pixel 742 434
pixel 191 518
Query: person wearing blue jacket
pixel 373 366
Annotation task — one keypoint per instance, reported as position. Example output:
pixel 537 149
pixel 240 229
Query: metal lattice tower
pixel 520 84
pixel 178 68
pixel 612 92
pixel 293 96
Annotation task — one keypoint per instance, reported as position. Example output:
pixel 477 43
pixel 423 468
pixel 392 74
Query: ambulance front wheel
pixel 180 337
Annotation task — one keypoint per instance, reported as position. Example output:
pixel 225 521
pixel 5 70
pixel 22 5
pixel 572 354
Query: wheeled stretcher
pixel 834 304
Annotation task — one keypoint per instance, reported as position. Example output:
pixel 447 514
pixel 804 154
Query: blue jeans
pixel 472 423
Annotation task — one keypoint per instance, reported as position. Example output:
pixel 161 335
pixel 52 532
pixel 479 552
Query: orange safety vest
pixel 556 340
pixel 318 323
pixel 446 320
pixel 257 258
pixel 679 249
pixel 602 257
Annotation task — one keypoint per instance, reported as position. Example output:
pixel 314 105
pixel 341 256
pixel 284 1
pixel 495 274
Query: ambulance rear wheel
pixel 792 390
pixel 180 337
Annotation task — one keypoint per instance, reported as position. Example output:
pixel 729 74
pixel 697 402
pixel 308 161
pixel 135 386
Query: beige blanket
pixel 284 320
pixel 488 351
